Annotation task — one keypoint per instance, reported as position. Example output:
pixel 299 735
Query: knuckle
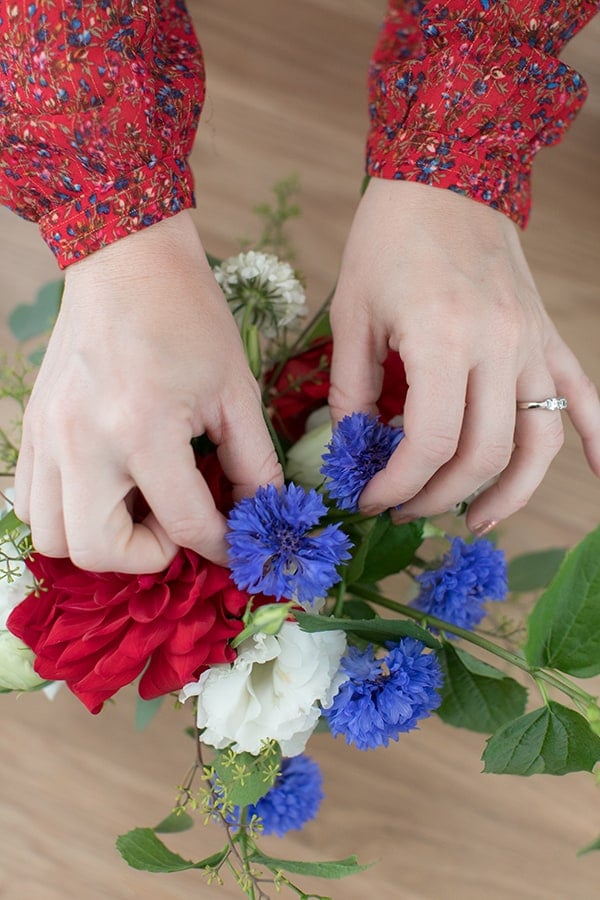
pixel 492 459
pixel 437 448
pixel 91 559
pixel 188 531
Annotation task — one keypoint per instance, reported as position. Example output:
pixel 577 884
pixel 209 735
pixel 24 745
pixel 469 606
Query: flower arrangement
pixel 300 632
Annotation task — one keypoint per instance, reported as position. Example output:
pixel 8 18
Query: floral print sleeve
pixel 99 103
pixel 463 94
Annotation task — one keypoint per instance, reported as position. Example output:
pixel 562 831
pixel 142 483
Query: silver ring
pixel 552 403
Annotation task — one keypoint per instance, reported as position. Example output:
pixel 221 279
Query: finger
pixel 180 500
pixel 46 510
pixel 23 477
pixel 433 416
pixel 356 370
pixel 245 448
pixel 582 395
pixel 485 444
pixel 538 438
pixel 101 535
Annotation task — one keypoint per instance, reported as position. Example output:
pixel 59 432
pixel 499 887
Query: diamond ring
pixel 552 403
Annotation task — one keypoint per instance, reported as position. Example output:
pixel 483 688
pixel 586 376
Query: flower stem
pixel 554 679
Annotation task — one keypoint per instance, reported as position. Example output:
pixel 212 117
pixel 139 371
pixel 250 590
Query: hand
pixel 145 354
pixel 442 279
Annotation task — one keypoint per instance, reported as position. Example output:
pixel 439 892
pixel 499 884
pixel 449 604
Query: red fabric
pixel 463 94
pixel 99 103
pixel 98 632
pixel 302 386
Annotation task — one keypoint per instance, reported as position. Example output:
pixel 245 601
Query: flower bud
pixel 592 714
pixel 16 665
pixel 304 459
pixel 270 618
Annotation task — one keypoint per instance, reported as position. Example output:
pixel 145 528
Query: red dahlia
pixel 98 632
pixel 303 386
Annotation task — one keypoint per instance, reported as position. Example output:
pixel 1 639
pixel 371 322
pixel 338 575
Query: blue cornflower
pixel 360 447
pixel 271 550
pixel 469 575
pixel 384 696
pixel 293 800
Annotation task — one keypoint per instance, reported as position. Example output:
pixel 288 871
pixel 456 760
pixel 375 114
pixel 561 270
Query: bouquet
pixel 305 631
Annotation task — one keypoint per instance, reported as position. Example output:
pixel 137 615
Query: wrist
pixel 172 241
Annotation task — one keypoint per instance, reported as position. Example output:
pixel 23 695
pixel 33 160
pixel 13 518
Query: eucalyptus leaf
pixel 476 695
pixel 376 630
pixel 35 319
pixel 145 710
pixel 338 868
pixel 142 849
pixel 176 821
pixel 246 778
pixel 595 845
pixel 553 740
pixel 391 548
pixel 533 571
pixel 563 630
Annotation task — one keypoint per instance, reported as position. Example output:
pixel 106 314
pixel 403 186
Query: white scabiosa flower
pixel 274 690
pixel 261 286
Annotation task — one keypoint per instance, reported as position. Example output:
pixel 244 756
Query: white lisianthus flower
pixel 16 665
pixel 305 457
pixel 16 659
pixel 265 283
pixel 274 690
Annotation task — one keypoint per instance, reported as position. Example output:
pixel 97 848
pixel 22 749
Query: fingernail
pixel 484 527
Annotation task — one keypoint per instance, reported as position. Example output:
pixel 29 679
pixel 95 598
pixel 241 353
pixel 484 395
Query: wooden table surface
pixel 286 94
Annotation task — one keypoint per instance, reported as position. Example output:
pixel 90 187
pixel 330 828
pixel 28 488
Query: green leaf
pixel 145 710
pixel 533 571
pixel 360 534
pixel 37 318
pixel 358 609
pixel 247 778
pixel 36 356
pixel 391 548
pixel 10 522
pixel 213 261
pixel 595 845
pixel 338 868
pixel 141 849
pixel 553 740
pixel 377 630
pixel 319 328
pixel 563 630
pixel 178 820
pixel 475 695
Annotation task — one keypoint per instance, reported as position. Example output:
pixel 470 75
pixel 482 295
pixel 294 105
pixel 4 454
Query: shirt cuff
pixel 157 190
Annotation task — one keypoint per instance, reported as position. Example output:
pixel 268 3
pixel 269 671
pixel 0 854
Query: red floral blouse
pixel 99 104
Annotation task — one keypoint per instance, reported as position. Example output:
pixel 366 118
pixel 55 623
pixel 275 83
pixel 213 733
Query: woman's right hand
pixel 145 355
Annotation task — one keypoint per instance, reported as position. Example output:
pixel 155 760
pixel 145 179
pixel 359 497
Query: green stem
pixel 299 340
pixel 244 845
pixel 563 684
pixel 339 600
pixel 274 438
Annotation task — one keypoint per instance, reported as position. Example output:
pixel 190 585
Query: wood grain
pixel 286 94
